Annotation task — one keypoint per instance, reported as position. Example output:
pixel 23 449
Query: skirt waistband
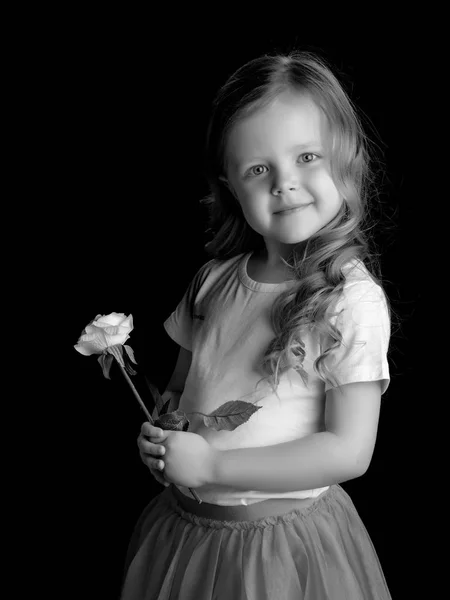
pixel 258 510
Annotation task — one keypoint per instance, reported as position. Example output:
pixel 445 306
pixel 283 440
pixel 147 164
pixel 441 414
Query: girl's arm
pixel 340 453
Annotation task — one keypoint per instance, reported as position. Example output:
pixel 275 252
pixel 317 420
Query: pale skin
pixel 341 453
pixel 277 159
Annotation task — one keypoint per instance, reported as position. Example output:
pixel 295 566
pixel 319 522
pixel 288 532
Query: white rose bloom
pixel 105 331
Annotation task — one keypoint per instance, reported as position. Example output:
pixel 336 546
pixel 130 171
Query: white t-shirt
pixel 224 320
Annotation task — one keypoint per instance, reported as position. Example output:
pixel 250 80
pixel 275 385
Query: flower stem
pixel 135 392
pixel 119 360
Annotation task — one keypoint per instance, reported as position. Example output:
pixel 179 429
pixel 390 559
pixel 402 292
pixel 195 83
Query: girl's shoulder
pixel 215 269
pixel 356 272
pixel 219 264
pixel 359 284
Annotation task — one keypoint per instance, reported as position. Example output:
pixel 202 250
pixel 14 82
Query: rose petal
pixel 96 340
pixel 88 348
pixel 93 330
pixel 112 330
pixel 90 329
pixel 117 330
pixel 84 350
pixel 128 322
pixel 112 319
pixel 112 340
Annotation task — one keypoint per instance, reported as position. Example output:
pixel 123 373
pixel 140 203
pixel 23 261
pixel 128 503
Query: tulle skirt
pixel 280 549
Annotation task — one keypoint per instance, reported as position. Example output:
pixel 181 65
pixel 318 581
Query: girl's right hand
pixel 151 451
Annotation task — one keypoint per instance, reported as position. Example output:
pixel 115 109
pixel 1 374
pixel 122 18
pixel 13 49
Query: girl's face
pixel 276 161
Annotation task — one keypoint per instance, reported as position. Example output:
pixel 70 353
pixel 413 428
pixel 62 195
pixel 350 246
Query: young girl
pixel 290 316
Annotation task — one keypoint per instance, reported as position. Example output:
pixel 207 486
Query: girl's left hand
pixel 189 460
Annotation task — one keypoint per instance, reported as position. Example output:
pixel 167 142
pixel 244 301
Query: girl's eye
pixel 253 170
pixel 308 157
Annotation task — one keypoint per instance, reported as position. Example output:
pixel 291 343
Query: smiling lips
pixel 288 211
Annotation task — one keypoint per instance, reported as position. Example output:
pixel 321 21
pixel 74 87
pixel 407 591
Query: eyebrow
pixel 312 143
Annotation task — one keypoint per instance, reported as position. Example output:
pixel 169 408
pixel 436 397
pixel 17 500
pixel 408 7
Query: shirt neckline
pixel 258 286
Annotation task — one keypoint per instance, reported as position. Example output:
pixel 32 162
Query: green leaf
pixel 127 365
pixel 129 351
pixel 117 352
pixel 105 361
pixel 130 369
pixel 230 415
pixel 157 398
pixel 173 421
pixel 165 408
pixel 123 357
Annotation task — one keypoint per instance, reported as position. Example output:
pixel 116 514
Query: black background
pixel 125 107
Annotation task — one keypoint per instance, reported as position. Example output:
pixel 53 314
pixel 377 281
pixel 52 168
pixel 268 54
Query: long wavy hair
pixel 317 264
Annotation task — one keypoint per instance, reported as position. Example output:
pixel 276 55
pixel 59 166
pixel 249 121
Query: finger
pixel 149 447
pixel 153 463
pixel 151 431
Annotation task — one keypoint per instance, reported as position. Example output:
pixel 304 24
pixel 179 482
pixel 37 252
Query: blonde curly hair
pixel 317 264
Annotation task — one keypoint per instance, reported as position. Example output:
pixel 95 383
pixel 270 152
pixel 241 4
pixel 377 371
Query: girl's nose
pixel 284 183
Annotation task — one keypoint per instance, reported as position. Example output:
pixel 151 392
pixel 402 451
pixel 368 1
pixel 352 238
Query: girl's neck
pixel 261 270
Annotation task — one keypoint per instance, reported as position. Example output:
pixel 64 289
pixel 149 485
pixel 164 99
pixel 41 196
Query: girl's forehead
pixel 289 120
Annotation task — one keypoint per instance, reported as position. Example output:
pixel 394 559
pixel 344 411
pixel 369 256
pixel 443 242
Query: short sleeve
pixel 179 324
pixel 364 323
